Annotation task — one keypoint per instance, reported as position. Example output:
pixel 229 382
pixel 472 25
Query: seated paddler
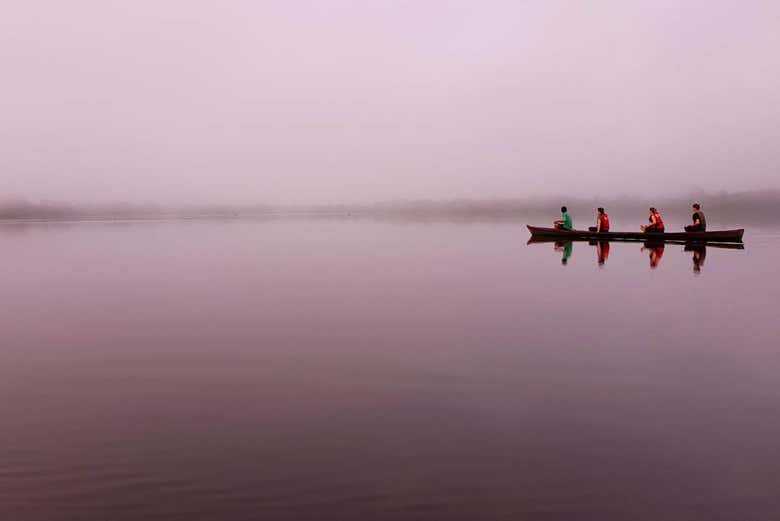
pixel 602 222
pixel 699 222
pixel 656 222
pixel 565 222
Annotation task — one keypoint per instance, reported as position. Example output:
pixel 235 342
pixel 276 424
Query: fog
pixel 730 209
pixel 174 102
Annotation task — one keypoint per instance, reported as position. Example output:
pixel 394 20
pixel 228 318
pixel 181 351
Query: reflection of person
pixel 566 248
pixel 656 222
pixel 565 222
pixel 699 222
pixel 656 252
pixel 699 254
pixel 602 252
pixel 602 222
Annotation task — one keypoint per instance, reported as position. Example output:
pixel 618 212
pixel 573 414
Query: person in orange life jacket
pixel 602 222
pixel 699 222
pixel 656 222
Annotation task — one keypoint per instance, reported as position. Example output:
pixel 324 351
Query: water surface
pixel 356 370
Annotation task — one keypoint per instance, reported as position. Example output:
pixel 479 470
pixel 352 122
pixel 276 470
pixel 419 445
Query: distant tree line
pixel 739 207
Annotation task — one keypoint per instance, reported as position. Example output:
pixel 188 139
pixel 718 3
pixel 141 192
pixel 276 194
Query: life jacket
pixel 659 222
pixel 604 222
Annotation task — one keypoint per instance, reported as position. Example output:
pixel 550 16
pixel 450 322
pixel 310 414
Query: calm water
pixel 324 370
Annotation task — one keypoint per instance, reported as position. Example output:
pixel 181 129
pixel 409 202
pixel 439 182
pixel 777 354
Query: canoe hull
pixel 711 236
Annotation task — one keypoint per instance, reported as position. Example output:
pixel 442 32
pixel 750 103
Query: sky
pixel 252 101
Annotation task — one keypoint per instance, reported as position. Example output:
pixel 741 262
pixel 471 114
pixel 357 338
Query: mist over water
pixel 733 209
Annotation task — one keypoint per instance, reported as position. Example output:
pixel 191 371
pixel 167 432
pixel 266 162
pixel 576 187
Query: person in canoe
pixel 656 222
pixel 699 222
pixel 602 222
pixel 565 222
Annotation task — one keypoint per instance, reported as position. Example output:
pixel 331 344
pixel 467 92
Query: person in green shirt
pixel 565 223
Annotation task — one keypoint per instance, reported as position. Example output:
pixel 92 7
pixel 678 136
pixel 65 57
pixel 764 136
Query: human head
pixel 564 209
pixel 696 206
pixel 653 210
pixel 600 210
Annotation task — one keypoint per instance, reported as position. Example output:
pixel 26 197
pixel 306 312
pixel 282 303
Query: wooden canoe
pixel 709 236
pixel 541 239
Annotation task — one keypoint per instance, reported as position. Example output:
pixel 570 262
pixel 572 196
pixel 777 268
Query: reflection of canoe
pixel 542 239
pixel 713 236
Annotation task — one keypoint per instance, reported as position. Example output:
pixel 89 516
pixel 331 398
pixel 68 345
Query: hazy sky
pixel 333 100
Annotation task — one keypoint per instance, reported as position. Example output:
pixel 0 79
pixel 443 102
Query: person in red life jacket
pixel 656 222
pixel 602 222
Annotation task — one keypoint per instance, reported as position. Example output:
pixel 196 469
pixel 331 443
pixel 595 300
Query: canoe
pixel 651 241
pixel 709 236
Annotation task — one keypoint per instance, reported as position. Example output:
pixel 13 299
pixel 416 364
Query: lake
pixel 326 369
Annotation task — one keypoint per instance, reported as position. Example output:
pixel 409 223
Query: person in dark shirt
pixel 699 222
